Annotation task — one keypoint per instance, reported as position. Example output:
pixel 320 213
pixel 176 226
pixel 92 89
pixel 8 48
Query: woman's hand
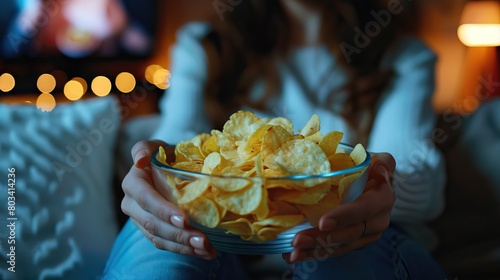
pixel 354 225
pixel 161 222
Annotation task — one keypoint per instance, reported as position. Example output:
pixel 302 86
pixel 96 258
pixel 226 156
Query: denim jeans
pixel 394 256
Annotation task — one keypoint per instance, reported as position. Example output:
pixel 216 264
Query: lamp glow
pixel 480 24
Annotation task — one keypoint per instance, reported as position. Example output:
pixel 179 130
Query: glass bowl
pixel 265 232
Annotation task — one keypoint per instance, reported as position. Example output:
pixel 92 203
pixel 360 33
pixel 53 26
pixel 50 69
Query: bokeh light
pixel 150 72
pixel 82 81
pixel 125 82
pixel 7 82
pixel 46 83
pixel 46 102
pixel 479 35
pixel 101 86
pixel 161 79
pixel 73 90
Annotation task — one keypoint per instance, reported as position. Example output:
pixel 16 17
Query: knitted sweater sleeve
pixel 182 107
pixel 403 126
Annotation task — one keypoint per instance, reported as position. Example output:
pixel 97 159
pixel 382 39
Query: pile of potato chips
pixel 247 192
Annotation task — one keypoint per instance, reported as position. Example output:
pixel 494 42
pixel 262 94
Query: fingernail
pixel 197 242
pixel 328 225
pixel 380 169
pixel 203 253
pixel 138 158
pixel 296 256
pixel 177 221
pixel 286 257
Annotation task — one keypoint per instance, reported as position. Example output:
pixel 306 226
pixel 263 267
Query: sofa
pixel 68 165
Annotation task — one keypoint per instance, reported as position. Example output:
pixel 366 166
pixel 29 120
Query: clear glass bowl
pixel 170 181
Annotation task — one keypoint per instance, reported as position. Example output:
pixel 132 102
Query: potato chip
pixel 226 144
pixel 240 226
pixel 209 146
pixel 204 211
pixel 235 184
pixel 188 151
pixel 162 156
pixel 243 201
pixel 267 229
pixel 299 157
pixel 243 170
pixel 340 161
pixel 282 208
pixel 272 139
pixel 211 163
pixel 250 191
pixel 280 222
pixel 262 211
pixel 312 126
pixel 272 173
pixel 358 154
pixel 283 122
pixel 285 184
pixel 316 137
pixel 199 140
pixel 258 165
pixel 195 166
pixel 348 180
pixel 193 190
pixel 330 142
pixel 241 125
pixel 247 149
pixel 306 196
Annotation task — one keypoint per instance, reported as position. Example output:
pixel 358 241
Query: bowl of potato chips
pixel 252 186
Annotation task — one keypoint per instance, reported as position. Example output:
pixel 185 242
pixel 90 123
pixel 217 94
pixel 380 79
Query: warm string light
pixel 7 82
pixel 101 86
pixel 46 102
pixel 125 82
pixel 158 76
pixel 46 83
pixel 75 88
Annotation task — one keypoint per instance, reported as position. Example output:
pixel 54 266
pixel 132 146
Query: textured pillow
pixel 65 220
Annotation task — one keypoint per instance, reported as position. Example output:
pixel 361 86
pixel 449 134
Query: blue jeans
pixel 394 256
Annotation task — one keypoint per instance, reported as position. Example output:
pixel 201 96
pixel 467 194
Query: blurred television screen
pixel 77 28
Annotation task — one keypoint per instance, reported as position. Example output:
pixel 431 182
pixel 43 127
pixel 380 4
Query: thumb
pixel 142 151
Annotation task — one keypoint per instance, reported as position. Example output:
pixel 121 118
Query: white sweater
pixel 403 124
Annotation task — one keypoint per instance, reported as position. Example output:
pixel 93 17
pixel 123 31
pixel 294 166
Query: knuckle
pixel 142 199
pixel 124 206
pixel 185 250
pixel 155 240
pixel 126 186
pixel 150 226
pixel 181 238
pixel 163 214
pixel 182 249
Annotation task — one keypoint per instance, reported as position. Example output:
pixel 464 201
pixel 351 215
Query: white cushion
pixel 63 161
